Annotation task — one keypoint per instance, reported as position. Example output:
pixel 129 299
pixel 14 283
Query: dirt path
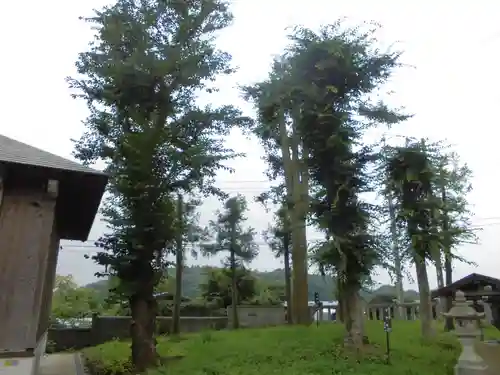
pixel 491 355
pixel 60 364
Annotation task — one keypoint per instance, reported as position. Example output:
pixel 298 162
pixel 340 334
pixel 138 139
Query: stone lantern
pixel 466 329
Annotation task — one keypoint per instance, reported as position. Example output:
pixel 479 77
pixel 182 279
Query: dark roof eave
pixel 450 289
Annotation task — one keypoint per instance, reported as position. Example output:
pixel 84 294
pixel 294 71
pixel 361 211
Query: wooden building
pixel 474 286
pixel 43 199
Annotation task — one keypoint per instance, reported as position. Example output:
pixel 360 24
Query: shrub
pixel 194 309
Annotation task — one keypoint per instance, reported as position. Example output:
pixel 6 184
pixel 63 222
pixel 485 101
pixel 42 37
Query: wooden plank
pixel 50 229
pixel 2 181
pixel 26 221
pixel 48 287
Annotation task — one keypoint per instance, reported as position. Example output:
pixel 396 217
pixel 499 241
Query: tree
pixel 452 182
pixel 274 294
pixel 140 79
pixel 188 233
pixel 287 160
pixel 324 84
pixel 232 237
pixel 69 301
pixel 397 259
pixel 411 174
pixel 278 237
pixel 218 286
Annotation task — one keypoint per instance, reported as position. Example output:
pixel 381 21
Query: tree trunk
pixel 176 313
pixel 449 326
pixel 299 275
pixel 340 311
pixel 352 317
pixel 288 285
pixel 300 306
pixel 301 205
pixel 142 330
pixel 234 291
pixel 425 306
pixel 397 259
pixel 179 264
pixel 439 271
pixel 339 316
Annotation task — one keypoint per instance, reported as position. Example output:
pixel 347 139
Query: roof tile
pixel 12 151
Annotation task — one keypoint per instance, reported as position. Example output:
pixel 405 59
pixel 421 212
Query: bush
pixel 292 351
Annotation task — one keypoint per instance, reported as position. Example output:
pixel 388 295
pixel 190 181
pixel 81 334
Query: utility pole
pixel 179 264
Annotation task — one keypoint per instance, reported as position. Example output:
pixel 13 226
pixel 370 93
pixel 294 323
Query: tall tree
pixel 411 175
pixel 397 258
pixel 452 183
pixel 140 78
pixel 232 237
pixel 189 234
pixel 279 238
pixel 324 83
pixel 287 160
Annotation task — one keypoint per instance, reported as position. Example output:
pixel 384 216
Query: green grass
pixel 292 351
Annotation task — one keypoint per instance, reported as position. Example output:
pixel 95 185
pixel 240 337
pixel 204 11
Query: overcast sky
pixel 452 89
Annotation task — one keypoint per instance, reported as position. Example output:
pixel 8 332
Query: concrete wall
pixel 258 316
pixel 106 328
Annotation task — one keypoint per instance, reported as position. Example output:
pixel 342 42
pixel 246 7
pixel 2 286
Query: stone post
pixel 485 302
pixel 466 317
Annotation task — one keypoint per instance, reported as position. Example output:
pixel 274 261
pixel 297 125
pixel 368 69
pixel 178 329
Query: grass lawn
pixel 292 351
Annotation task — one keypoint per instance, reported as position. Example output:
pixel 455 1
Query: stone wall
pixel 60 339
pixel 253 316
pixel 106 328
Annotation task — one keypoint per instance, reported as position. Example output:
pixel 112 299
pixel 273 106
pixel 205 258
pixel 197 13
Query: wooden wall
pixel 26 226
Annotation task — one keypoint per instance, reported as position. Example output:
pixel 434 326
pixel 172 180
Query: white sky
pixel 452 89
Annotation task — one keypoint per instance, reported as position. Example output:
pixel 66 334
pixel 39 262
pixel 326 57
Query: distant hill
pixel 325 286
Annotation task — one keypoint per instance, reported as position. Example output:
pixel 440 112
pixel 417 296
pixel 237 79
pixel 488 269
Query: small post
pixel 466 329
pixel 319 305
pixel 387 330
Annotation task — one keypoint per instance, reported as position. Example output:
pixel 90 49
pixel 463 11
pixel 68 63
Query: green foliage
pixel 196 276
pixel 217 287
pixel 452 181
pixel 410 174
pixel 140 80
pixel 194 308
pixel 69 301
pixel 329 76
pixel 301 351
pixel 430 186
pixel 279 235
pixel 230 235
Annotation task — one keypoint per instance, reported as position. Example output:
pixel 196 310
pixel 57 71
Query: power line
pixel 76 247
